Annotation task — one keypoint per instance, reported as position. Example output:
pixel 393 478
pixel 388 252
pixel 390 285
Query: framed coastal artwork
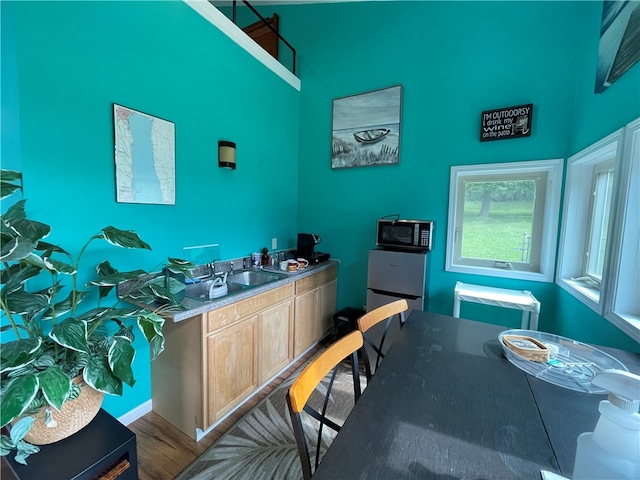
pixel 619 47
pixel 366 129
pixel 145 157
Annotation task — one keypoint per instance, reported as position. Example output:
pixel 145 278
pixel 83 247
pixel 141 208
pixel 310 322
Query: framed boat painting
pixel 366 129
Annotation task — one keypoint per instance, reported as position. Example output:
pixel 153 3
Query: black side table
pixel 103 449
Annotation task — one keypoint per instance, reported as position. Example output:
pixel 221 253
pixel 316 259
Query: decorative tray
pixel 571 364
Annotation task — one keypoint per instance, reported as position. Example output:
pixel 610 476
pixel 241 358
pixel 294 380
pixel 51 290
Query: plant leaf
pixel 16 249
pixel 6 445
pixel 59 267
pixel 20 429
pixel 18 353
pixel 98 375
pixel 31 229
pixel 33 259
pixel 115 278
pixel 71 333
pixel 95 314
pixel 159 291
pixel 104 269
pixel 151 326
pixel 121 355
pixel 64 306
pixel 178 265
pixel 49 249
pixel 123 238
pixel 16 276
pixel 17 397
pixel 55 386
pixel 16 211
pixel 25 303
pixel 10 175
pixel 24 450
pixel 7 189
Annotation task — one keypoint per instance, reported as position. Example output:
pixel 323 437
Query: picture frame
pixel 504 123
pixel 619 46
pixel 144 155
pixel 366 128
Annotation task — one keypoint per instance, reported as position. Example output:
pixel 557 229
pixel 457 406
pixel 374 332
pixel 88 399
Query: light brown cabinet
pixel 214 361
pixel 231 367
pixel 274 336
pixel 314 309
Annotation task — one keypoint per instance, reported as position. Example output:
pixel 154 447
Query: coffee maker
pixel 306 248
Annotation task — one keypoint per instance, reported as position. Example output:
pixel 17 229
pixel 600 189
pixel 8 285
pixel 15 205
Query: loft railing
pixel 266 22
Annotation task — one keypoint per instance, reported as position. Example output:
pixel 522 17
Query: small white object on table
pixel 500 297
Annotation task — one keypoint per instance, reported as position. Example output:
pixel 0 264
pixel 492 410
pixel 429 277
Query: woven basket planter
pixel 73 416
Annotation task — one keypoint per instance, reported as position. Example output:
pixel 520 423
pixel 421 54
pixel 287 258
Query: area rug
pixel 261 444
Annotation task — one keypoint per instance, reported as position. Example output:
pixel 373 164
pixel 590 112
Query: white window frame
pixel 576 219
pixel 617 299
pixel 600 201
pixel 549 218
pixel 622 300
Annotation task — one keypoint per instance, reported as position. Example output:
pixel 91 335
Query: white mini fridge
pixel 393 275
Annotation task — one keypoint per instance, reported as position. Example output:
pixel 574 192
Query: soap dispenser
pixel 612 450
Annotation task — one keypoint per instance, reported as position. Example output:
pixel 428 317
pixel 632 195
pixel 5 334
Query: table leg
pixel 456 305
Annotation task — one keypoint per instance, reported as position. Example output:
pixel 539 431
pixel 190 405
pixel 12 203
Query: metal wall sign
pixel 510 122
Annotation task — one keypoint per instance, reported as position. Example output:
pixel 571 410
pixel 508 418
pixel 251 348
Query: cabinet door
pixel 274 351
pixel 327 297
pixel 307 321
pixel 232 367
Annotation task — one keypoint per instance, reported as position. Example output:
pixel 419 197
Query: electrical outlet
pixel 274 243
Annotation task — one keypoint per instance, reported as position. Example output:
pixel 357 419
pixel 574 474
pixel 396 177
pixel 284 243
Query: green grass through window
pixel 498 236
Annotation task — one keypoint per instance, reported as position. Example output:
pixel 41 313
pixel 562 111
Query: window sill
pixel 498 272
pixel 590 296
pixel 629 324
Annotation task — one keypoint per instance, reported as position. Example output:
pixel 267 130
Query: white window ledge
pixel 629 324
pixel 580 289
pixel 226 26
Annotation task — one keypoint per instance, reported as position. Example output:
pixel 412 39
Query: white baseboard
pixel 138 412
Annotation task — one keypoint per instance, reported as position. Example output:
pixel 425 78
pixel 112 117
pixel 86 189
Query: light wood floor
pixel 164 451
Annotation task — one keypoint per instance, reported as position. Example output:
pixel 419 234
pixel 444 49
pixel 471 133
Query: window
pixel 586 219
pixel 599 241
pixel 503 219
pixel 599 220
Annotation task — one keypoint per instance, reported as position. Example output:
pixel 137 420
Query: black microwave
pixel 404 234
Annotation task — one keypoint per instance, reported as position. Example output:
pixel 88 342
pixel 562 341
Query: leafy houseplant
pixel 52 342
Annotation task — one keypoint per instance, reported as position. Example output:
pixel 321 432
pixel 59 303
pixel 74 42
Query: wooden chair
pixel 374 317
pixel 302 388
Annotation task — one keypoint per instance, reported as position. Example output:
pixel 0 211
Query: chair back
pixel 370 319
pixel 307 381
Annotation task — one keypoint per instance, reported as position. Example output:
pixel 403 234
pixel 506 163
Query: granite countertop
pixel 197 307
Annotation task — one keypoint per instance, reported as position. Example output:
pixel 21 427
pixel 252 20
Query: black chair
pixel 302 388
pixel 367 321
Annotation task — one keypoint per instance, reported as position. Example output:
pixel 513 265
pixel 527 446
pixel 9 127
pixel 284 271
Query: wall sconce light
pixel 226 154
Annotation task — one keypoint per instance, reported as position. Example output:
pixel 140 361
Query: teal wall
pixel 67 63
pixel 598 115
pixel 453 60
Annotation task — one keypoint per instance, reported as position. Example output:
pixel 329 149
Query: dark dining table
pixel 446 404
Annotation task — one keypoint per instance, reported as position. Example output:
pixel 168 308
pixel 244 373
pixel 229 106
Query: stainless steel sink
pixel 236 282
pixel 200 290
pixel 252 278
